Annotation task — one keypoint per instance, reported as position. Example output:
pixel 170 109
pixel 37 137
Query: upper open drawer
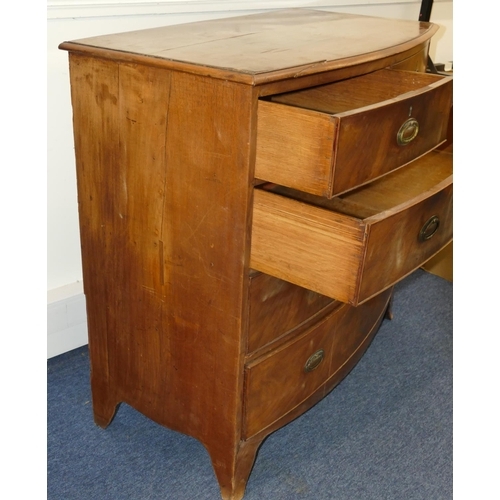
pixel 329 139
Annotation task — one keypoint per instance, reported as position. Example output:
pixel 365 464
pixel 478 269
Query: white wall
pixel 73 19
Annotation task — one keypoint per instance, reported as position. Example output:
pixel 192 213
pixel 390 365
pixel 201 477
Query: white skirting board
pixel 66 319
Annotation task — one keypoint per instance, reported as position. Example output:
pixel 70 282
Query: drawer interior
pixel 393 190
pixel 358 92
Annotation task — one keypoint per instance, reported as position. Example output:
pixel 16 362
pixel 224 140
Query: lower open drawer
pixel 355 245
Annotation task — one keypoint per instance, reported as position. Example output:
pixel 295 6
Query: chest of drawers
pixel 249 191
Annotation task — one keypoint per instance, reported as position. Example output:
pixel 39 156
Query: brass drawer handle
pixel 314 361
pixel 407 132
pixel 429 229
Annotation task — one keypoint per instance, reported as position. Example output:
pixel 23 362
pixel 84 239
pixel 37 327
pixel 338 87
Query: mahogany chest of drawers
pixel 249 191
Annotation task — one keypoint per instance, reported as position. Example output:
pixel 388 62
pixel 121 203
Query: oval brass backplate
pixel 314 361
pixel 407 132
pixel 429 229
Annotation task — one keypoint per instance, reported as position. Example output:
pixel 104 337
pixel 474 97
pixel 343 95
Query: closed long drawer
pixel 354 246
pixel 277 308
pixel 277 383
pixel 332 138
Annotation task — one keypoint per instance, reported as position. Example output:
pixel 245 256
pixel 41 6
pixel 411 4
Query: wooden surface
pixel 264 47
pixel 295 147
pixel 278 383
pixel 161 289
pixel 442 263
pixel 329 139
pixel 277 309
pixel 356 245
pixel 180 326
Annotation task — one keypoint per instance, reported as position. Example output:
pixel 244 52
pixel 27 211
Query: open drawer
pixel 332 138
pixel 355 245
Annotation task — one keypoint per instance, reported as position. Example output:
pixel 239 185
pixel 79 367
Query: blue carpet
pixel 384 433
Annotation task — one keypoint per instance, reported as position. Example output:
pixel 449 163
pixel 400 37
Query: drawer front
pixel 377 140
pixel 402 242
pixel 333 138
pixel 347 257
pixel 279 382
pixel 276 307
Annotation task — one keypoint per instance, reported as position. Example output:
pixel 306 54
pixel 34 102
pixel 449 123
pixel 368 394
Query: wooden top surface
pixel 287 42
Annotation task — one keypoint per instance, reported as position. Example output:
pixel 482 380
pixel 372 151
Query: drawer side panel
pixel 294 147
pixel 306 245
